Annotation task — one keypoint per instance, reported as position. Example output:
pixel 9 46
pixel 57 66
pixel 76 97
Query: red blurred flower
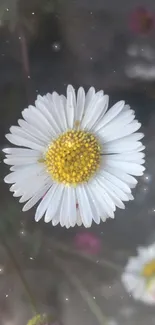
pixel 88 243
pixel 142 21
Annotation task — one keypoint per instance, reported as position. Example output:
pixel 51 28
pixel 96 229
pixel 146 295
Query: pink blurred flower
pixel 141 21
pixel 87 242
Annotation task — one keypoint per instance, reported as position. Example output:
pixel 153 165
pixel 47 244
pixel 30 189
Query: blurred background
pixel 75 275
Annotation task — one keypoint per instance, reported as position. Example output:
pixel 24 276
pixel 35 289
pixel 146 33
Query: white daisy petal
pixel 103 198
pixel 15 168
pixel 120 133
pixel 35 198
pixel 128 179
pixel 84 206
pixel 54 204
pixel 128 167
pixel 21 152
pixel 92 116
pixel 97 212
pixel 115 198
pixel 33 190
pixel 16 130
pixel 116 181
pixel 75 157
pixel 70 106
pixel 98 206
pixel 129 156
pixel 122 195
pixel 79 111
pixel 21 160
pixel 32 130
pixel 35 117
pixel 127 139
pixel 23 186
pixel 79 220
pixel 24 172
pixel 92 99
pixel 90 94
pixel 122 119
pixel 59 112
pixel 72 206
pixel 68 207
pixel 46 105
pixel 55 222
pixel 43 206
pixel 112 113
pixel 27 137
pixel 17 140
pixel 123 146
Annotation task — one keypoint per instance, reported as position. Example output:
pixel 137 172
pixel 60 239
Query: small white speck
pixel 114 71
pixel 29 77
pixel 32 13
pixel 7 296
pixel 66 299
pixel 37 90
pixel 94 298
pixel 19 37
pixel 7 9
pixel 31 258
pixel 97 261
pixel 56 46
pixel 91 13
pixel 91 58
pixel 22 233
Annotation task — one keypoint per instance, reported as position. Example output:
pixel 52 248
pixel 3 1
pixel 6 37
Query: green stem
pixel 102 320
pixel 102 261
pixel 21 276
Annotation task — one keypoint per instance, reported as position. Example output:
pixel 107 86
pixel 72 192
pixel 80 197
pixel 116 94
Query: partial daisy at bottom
pixel 139 275
pixel 75 157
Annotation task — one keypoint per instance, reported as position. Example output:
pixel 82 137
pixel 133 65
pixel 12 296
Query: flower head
pixel 74 157
pixel 139 275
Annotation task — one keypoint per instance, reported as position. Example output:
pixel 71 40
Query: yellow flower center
pixel 73 157
pixel 149 269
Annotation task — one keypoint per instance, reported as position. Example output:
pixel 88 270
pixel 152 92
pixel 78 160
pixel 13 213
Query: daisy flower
pixel 139 275
pixel 75 156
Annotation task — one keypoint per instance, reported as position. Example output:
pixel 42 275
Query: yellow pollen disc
pixel 73 157
pixel 149 269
